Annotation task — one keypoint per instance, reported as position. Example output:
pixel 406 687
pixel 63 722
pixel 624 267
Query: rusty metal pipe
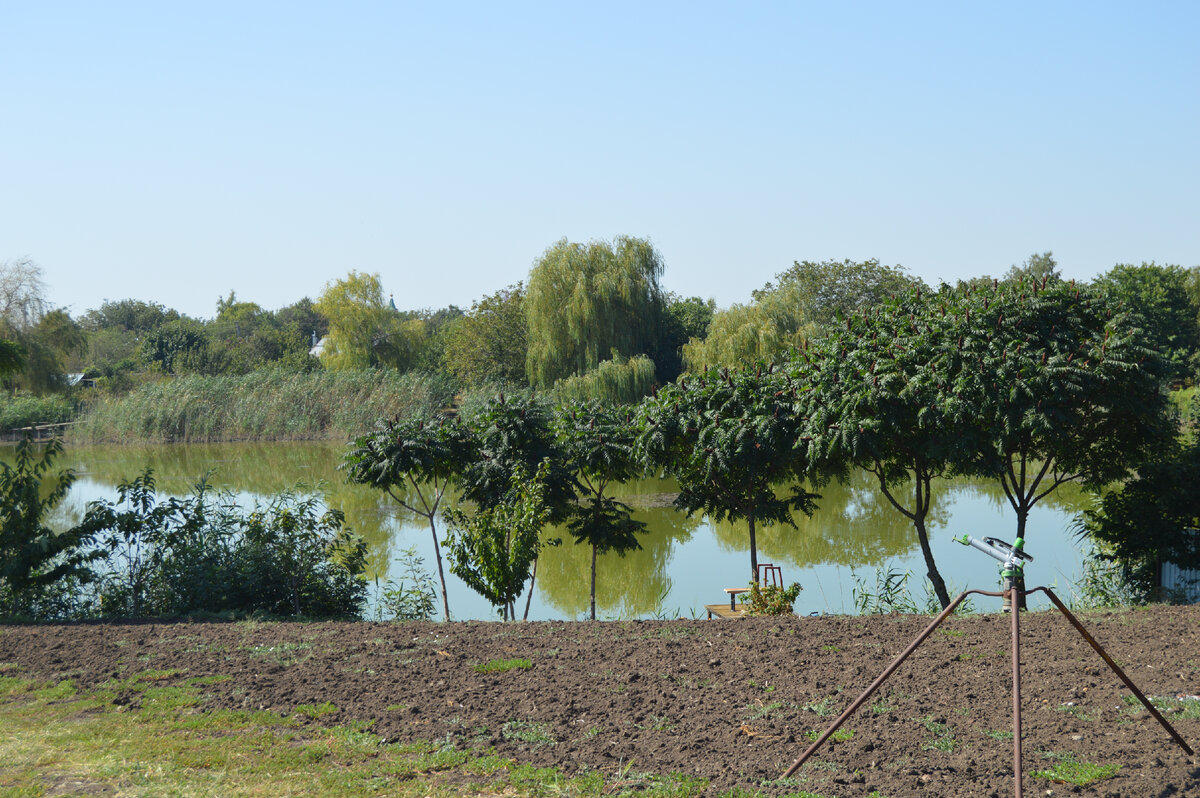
pixel 1115 668
pixel 850 710
pixel 1014 598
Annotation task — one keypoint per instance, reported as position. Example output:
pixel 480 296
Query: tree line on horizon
pixel 592 320
pixel 1031 381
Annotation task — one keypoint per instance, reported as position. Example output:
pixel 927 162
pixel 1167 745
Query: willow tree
pixel 587 302
pixel 617 381
pixel 740 334
pixel 364 329
pixel 728 439
pixel 796 306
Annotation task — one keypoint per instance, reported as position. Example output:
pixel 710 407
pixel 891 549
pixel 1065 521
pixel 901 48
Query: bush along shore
pixel 263 405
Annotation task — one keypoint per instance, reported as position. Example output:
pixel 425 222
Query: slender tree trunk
pixel 921 505
pixel 931 569
pixel 753 551
pixel 593 581
pixel 1019 580
pixel 437 553
pixel 532 582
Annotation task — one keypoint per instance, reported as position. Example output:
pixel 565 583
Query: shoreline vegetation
pixel 267 405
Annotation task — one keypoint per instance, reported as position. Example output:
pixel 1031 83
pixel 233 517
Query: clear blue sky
pixel 173 151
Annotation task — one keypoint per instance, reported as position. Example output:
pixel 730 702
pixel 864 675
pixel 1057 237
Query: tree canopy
pixel 364 329
pixel 1160 295
pixel 873 398
pixel 1062 384
pixel 589 302
pixel 728 438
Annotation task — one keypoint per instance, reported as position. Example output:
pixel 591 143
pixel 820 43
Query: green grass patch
pixel 1069 770
pixel 314 711
pixel 839 735
pixel 1179 708
pixel 503 665
pixel 59 740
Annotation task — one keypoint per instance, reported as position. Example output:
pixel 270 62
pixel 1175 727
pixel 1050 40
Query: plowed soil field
pixel 734 701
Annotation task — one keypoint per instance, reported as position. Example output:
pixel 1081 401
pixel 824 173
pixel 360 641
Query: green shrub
pixel 772 599
pixel 203 554
pixel 26 411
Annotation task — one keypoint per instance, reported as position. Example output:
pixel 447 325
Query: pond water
pixel 684 563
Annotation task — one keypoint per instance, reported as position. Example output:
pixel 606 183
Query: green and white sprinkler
pixel 1012 559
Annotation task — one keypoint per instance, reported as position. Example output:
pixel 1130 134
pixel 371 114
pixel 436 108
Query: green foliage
pixel 34 558
pixel 365 330
pixel 617 381
pixel 597 441
pixel 516 434
pixel 12 358
pixel 742 334
pixel 203 554
pixel 1069 770
pixel 1038 267
pixel 489 342
pixel 826 291
pixel 413 598
pixel 772 599
pixel 684 318
pixel 1159 295
pixel 890 593
pixel 728 439
pixel 1062 384
pixel 167 344
pixel 805 298
pixel 874 399
pixel 1154 516
pixel 275 404
pixel 293 558
pixel 503 666
pixel 130 315
pixel 493 549
pixel 424 456
pixel 25 411
pixel 588 300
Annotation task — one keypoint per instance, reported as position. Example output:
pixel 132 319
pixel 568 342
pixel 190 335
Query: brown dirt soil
pixel 729 700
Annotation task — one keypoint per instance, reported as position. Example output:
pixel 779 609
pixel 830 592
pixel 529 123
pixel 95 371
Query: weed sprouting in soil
pixel 1179 707
pixel 314 711
pixel 1075 711
pixel 529 732
pixel 502 665
pixel 1068 770
pixel 943 737
pixel 823 708
pixel 283 654
pixel 839 735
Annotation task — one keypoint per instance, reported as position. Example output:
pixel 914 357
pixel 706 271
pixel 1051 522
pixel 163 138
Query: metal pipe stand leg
pixel 1015 598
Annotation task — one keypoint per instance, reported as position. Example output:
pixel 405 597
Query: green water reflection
pixel 689 559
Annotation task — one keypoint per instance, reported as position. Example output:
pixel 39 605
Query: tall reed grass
pixel 263 405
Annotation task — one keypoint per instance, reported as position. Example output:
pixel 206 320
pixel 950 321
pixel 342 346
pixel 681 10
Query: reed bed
pixel 263 405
